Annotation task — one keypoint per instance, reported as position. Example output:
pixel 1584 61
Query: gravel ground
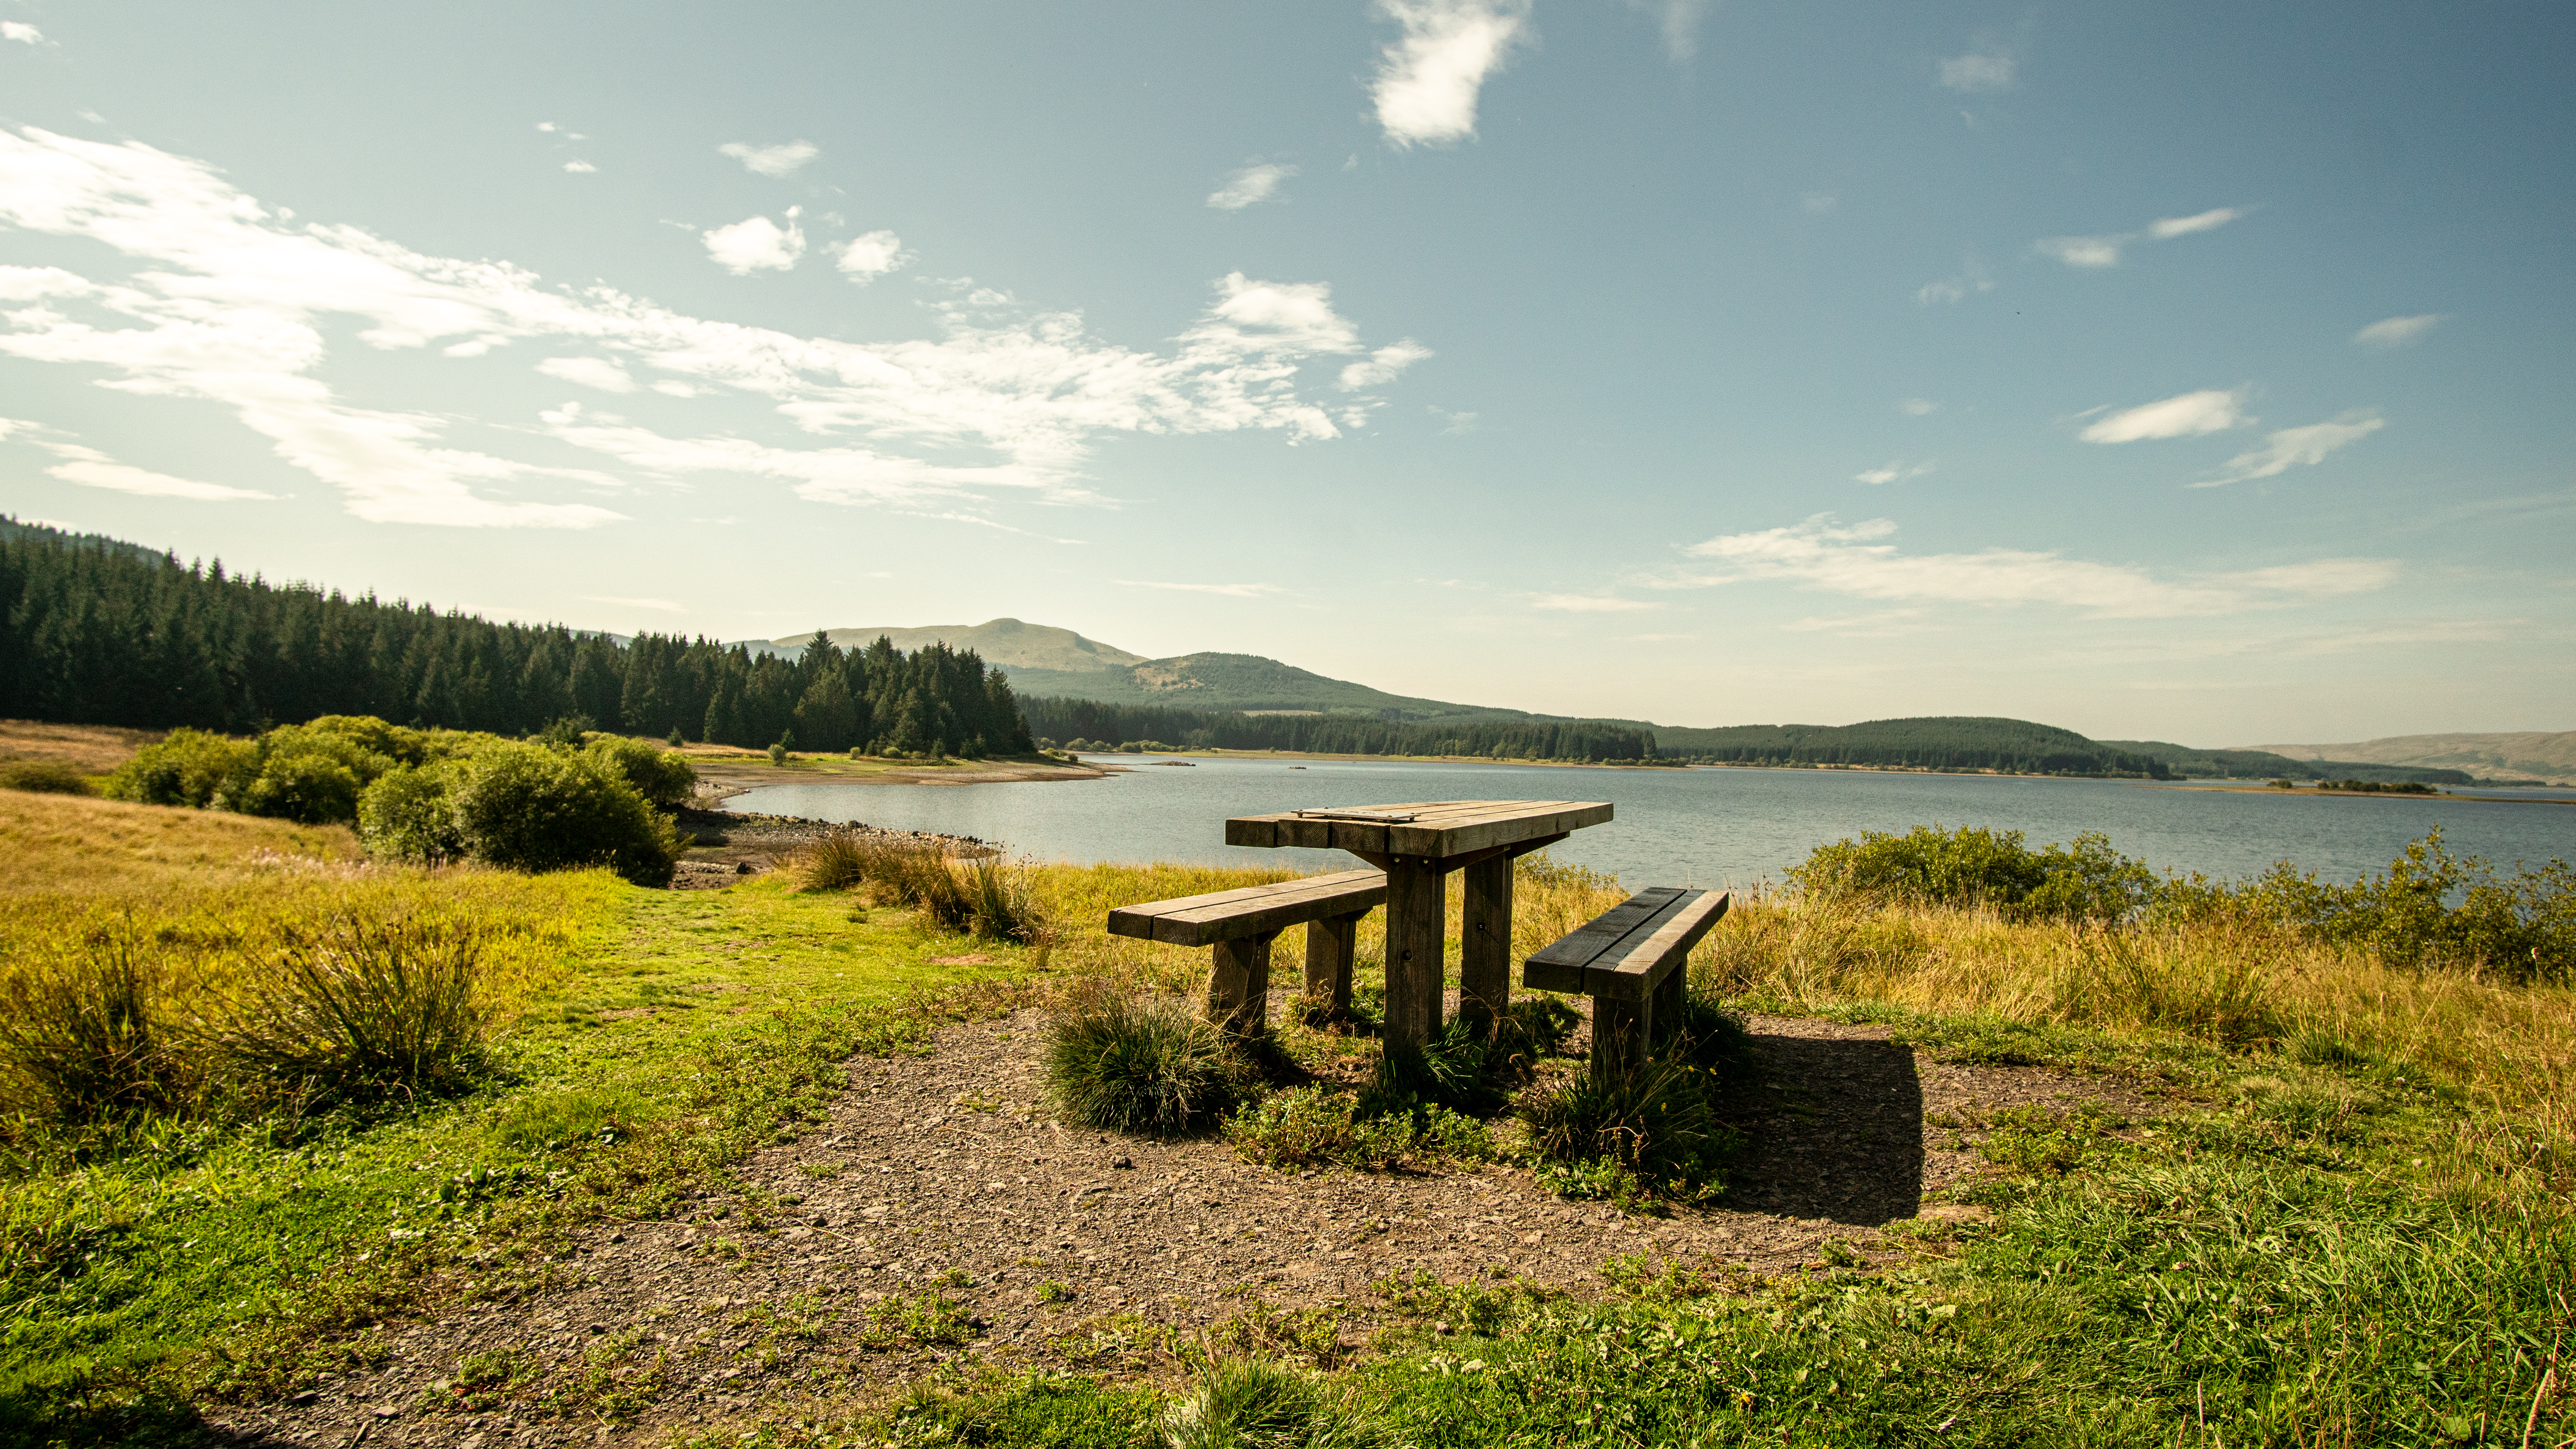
pixel 944 1176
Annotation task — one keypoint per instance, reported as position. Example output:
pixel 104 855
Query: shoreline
pixel 724 772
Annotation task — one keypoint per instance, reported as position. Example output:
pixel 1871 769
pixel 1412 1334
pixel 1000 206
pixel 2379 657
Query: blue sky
pixel 2189 371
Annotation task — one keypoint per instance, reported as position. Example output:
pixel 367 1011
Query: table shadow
pixel 1837 1133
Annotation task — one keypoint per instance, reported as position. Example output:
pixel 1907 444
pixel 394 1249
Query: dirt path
pixel 945 1176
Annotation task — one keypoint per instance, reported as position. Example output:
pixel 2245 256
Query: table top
pixel 1438 829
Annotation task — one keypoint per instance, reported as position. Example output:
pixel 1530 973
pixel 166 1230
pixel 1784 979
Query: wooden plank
pixel 1147 910
pixel 1258 831
pixel 1148 920
pixel 1638 964
pixel 1416 908
pixel 1437 836
pixel 1275 913
pixel 1561 967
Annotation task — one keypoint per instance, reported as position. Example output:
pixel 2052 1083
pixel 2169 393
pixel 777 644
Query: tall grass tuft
pixel 43 777
pixel 985 896
pixel 1649 1133
pixel 1258 1404
pixel 1127 1063
pixel 82 1036
pixel 363 1010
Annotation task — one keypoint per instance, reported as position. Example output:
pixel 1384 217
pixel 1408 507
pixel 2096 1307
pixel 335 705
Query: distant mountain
pixel 2202 764
pixel 1015 646
pixel 2534 756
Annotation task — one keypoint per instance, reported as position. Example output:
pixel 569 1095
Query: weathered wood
pixel 1416 920
pixel 1485 943
pixel 1331 943
pixel 1250 911
pixel 1440 829
pixel 1634 968
pixel 1632 960
pixel 1239 986
pixel 1561 967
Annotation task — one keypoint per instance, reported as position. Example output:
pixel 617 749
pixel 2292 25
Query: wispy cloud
pixel 1428 79
pixel 2293 447
pixel 1896 472
pixel 1818 203
pixel 779 161
pixel 2094 253
pixel 1975 72
pixel 91 468
pixel 579 167
pixel 21 32
pixel 2189 415
pixel 1591 604
pixel 206 294
pixel 1231 591
pixel 872 255
pixel 663 605
pixel 1250 185
pixel 596 372
pixel 1858 561
pixel 2391 332
pixel 1971 279
pixel 756 244
pixel 1455 424
pixel 1677 23
pixel 1382 366
pixel 1917 407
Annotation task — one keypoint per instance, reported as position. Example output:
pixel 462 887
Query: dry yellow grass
pixel 90 749
pixel 68 843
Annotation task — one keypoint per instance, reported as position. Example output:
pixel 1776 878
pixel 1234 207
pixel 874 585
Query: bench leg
pixel 1330 945
pixel 1669 995
pixel 1239 987
pixel 1485 944
pixel 1417 912
pixel 1621 1031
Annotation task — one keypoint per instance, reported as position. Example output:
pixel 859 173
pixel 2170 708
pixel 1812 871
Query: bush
pixel 43 777
pixel 1257 1404
pixel 529 808
pixel 1653 1131
pixel 664 779
pixel 81 1037
pixel 362 1011
pixel 1131 1064
pixel 310 789
pixel 1973 866
pixel 187 767
pixel 406 815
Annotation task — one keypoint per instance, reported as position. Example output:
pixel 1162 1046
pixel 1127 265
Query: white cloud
pixel 756 244
pixel 1383 366
pixel 1455 424
pixel 2391 332
pixel 665 605
pixel 779 161
pixel 1974 72
pixel 1855 560
pixel 1677 21
pixel 1427 80
pixel 1971 279
pixel 545 125
pixel 1817 203
pixel 2082 251
pixel 596 372
pixel 579 168
pixel 2189 415
pixel 872 255
pixel 1249 186
pixel 21 32
pixel 1896 472
pixel 2173 226
pixel 1231 591
pixel 2293 447
pixel 91 468
pixel 1591 604
pixel 1917 407
pixel 204 293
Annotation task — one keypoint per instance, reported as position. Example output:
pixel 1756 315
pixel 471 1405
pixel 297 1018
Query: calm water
pixel 1690 827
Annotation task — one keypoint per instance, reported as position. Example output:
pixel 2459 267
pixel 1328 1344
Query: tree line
pixel 94 632
pixel 1108 725
pixel 1938 742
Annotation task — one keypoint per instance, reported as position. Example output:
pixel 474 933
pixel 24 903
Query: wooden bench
pixel 1629 960
pixel 1241 924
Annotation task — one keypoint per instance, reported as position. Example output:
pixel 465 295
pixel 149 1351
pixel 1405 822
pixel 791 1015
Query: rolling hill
pixel 2537 756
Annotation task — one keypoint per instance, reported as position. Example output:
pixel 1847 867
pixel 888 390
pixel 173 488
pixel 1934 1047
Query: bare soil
pixel 946 1176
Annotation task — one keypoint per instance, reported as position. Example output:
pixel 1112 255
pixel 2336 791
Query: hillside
pixel 1009 643
pixel 2536 756
pixel 1940 742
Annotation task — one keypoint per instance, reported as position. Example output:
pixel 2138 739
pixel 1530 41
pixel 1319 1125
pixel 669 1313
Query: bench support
pixel 1331 943
pixel 1239 987
pixel 1485 944
pixel 1416 911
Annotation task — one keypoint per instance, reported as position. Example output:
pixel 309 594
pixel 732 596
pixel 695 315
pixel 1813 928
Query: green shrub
pixel 1452 1070
pixel 1973 866
pixel 528 808
pixel 310 789
pixel 1133 1064
pixel 406 815
pixel 665 779
pixel 43 777
pixel 1316 1126
pixel 360 1011
pixel 1254 1403
pixel 81 1035
pixel 187 767
pixel 1656 1128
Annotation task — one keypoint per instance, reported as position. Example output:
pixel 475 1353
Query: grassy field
pixel 2353 1227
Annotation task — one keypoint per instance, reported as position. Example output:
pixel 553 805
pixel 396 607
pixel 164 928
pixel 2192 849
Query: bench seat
pixel 1629 961
pixel 1241 924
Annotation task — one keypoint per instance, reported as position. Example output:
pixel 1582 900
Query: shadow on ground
pixel 1837 1133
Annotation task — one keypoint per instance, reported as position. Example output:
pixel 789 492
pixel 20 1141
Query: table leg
pixel 1417 912
pixel 1485 944
pixel 1239 987
pixel 1330 944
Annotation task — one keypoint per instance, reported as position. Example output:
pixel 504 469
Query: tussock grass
pixel 982 895
pixel 44 777
pixel 362 1008
pixel 1130 1063
pixel 83 1034
pixel 1253 1403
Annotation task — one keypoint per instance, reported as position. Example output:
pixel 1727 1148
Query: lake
pixel 1704 827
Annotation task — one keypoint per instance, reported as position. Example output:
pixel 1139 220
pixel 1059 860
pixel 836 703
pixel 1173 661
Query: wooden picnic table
pixel 1418 844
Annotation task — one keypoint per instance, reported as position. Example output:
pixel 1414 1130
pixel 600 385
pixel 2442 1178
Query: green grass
pixel 205 1261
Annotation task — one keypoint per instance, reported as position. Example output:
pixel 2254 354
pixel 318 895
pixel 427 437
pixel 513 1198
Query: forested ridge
pixel 1106 725
pixel 1937 742
pixel 94 632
